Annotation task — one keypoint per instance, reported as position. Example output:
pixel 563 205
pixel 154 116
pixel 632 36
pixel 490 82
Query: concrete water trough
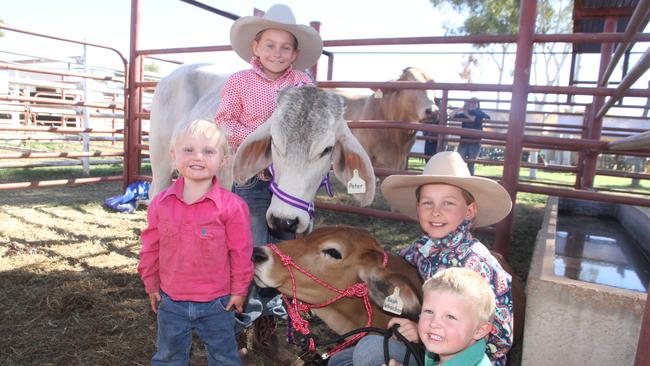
pixel 587 285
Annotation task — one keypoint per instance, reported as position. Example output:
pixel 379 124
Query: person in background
pixel 195 259
pixel 431 145
pixel 473 117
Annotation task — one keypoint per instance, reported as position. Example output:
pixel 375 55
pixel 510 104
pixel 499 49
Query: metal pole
pixel 443 121
pixel 637 71
pixel 86 116
pixel 314 69
pixel 199 4
pixel 517 118
pixel 595 124
pixel 131 125
pixel 330 66
pixel 636 21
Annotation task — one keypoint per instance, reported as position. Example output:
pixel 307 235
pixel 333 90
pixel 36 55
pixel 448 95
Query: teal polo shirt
pixel 473 355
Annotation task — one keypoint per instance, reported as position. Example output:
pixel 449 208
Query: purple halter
pixel 295 201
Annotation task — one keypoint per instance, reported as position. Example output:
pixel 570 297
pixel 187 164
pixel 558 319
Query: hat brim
pixel 492 199
pixel 244 30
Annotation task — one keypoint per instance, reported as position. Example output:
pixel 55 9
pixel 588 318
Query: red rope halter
pixel 295 306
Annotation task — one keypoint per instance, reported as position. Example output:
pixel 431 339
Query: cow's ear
pixel 382 284
pixel 254 154
pixel 349 156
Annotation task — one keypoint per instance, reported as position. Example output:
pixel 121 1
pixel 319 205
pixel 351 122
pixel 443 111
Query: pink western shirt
pixel 248 99
pixel 197 252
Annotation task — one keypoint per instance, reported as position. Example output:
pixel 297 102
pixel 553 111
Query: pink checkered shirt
pixel 249 98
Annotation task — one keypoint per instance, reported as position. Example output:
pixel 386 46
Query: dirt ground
pixel 70 291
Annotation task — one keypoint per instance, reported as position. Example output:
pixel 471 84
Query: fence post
pixel 596 123
pixel 132 124
pixel 314 69
pixel 86 116
pixel 516 120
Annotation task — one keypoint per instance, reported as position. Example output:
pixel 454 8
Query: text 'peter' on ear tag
pixel 393 303
pixel 379 94
pixel 356 184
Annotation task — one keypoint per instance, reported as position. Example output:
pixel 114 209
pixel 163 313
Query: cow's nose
pixel 259 255
pixel 284 225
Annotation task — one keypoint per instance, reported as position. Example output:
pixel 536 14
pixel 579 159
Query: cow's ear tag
pixel 393 303
pixel 378 94
pixel 356 184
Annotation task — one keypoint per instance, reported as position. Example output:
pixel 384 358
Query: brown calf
pixel 341 257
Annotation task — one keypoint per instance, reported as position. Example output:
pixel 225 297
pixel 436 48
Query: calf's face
pixel 340 257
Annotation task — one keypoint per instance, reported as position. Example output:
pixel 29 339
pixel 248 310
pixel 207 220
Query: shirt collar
pixel 177 187
pixel 469 356
pixel 256 64
pixel 460 236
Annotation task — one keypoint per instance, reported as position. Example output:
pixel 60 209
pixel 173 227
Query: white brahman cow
pixel 389 147
pixel 304 138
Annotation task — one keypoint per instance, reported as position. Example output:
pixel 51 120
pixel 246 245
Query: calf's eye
pixel 331 252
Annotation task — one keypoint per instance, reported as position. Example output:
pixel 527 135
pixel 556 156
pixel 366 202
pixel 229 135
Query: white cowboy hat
pixel 448 167
pixel 279 16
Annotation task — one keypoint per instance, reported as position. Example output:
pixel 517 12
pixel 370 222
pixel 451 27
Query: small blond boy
pixel 457 312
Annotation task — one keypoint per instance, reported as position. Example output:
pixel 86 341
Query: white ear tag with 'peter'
pixel 356 184
pixel 393 303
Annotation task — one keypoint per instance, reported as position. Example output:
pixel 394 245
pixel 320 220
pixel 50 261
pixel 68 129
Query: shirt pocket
pixel 212 239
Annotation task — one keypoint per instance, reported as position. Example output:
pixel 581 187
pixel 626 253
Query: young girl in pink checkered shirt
pixel 277 49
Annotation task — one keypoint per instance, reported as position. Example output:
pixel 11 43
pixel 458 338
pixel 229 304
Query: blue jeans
pixel 369 351
pixel 430 146
pixel 257 194
pixel 469 151
pixel 213 324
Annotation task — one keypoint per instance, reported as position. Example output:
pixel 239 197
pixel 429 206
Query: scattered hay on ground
pixel 70 291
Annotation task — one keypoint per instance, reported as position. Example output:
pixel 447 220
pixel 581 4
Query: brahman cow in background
pixel 304 138
pixel 342 257
pixel 389 147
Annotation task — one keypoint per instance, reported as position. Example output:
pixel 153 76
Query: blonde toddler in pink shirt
pixel 195 259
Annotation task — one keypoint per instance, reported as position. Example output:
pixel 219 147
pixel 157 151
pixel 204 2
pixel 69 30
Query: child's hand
pixel 392 362
pixel 407 328
pixel 236 302
pixel 154 299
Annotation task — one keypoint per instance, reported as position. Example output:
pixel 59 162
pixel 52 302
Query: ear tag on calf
pixel 378 94
pixel 393 303
pixel 356 184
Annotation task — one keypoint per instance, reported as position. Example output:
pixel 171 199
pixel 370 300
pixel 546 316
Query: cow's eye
pixel 327 151
pixel 332 253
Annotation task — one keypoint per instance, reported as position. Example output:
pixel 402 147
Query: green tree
pixel 2 34
pixel 152 67
pixel 501 17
